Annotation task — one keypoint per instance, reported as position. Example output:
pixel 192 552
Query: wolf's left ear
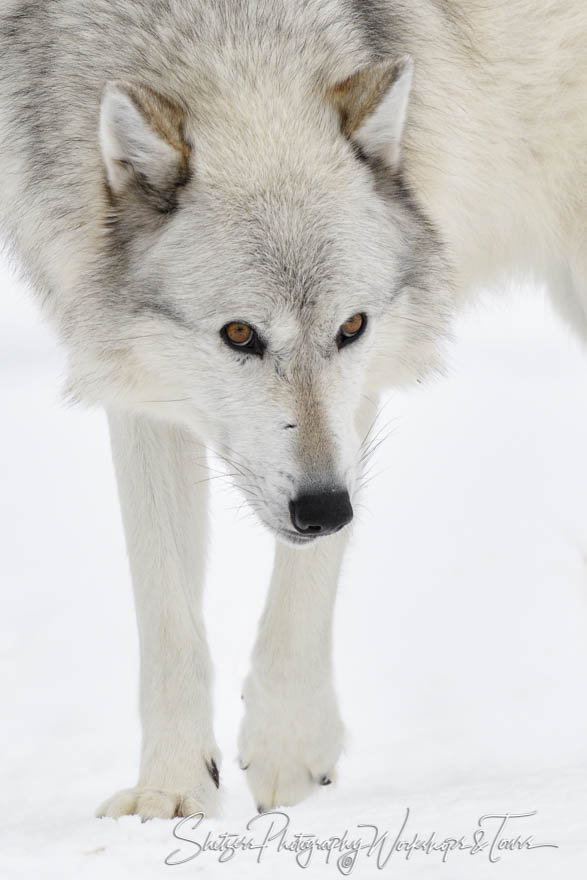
pixel 373 104
pixel 143 145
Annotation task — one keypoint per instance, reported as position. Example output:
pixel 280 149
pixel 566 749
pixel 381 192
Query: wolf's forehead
pixel 292 293
pixel 286 308
pixel 281 253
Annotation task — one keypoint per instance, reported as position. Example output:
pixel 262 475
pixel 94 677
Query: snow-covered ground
pixel 461 636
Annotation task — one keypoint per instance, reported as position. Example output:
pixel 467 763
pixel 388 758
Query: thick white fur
pixel 494 151
pixel 496 144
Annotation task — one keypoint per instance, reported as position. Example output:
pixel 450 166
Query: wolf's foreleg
pixel 292 735
pixel 163 501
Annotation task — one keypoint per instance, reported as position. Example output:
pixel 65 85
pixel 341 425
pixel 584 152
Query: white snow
pixel 461 634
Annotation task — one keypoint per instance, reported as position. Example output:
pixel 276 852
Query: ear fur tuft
pixel 143 144
pixel 373 106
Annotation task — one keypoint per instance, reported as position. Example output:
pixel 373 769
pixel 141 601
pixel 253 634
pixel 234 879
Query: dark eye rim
pixel 254 346
pixel 342 340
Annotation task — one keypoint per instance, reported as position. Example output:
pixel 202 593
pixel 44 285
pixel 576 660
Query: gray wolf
pixel 245 221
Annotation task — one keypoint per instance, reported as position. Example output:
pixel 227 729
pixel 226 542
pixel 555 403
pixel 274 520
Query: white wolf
pixel 245 220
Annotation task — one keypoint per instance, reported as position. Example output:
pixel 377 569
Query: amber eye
pixel 351 329
pixel 242 336
pixel 239 334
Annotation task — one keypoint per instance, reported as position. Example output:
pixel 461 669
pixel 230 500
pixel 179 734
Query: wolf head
pixel 276 274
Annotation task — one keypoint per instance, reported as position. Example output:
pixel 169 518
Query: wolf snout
pixel 321 513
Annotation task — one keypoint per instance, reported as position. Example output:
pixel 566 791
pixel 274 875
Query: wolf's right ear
pixel 143 144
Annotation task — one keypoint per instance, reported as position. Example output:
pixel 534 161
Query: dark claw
pixel 243 766
pixel 325 781
pixel 213 771
pixel 261 809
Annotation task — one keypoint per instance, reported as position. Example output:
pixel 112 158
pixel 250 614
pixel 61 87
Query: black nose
pixel 321 513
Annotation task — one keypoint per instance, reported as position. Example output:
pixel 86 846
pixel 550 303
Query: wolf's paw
pixel 288 744
pixel 150 802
